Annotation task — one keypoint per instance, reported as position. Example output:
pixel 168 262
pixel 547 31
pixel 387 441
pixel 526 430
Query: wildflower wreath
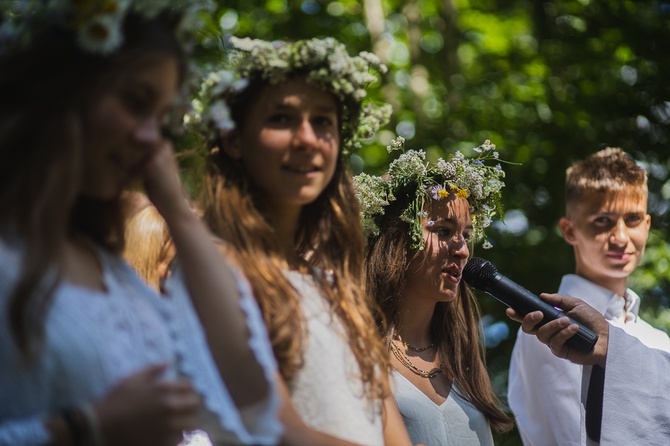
pixel 411 175
pixel 325 63
pixel 97 24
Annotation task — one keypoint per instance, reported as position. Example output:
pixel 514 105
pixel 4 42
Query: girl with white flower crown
pixel 278 192
pixel 89 355
pixel 420 220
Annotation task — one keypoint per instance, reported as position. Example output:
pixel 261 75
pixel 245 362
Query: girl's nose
pixel 305 136
pixel 458 247
pixel 149 131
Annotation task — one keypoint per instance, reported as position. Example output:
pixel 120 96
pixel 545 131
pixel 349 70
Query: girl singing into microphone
pixel 421 220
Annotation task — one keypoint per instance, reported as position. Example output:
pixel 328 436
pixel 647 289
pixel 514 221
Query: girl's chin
pixel 447 295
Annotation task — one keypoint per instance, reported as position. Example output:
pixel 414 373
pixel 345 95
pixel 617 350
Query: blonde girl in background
pixel 149 248
pixel 421 219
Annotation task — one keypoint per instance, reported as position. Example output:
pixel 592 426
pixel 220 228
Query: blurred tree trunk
pixel 374 20
pixel 449 51
pixel 414 24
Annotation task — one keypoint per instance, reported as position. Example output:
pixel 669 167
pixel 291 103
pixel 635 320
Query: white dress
pixel 454 422
pixel 327 392
pixel 93 340
pixel 552 416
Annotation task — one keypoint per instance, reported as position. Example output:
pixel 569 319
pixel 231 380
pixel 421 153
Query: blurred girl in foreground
pixel 88 353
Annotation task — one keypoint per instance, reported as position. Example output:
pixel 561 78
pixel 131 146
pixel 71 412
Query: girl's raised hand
pixel 162 183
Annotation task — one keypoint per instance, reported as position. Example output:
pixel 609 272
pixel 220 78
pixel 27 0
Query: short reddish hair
pixel 607 171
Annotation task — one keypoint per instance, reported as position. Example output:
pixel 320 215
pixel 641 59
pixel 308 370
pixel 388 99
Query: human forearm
pixel 395 433
pixel 210 284
pixel 212 287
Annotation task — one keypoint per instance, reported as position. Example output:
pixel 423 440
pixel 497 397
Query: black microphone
pixel 482 275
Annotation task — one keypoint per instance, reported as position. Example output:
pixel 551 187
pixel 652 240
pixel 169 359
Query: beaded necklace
pixel 404 360
pixel 416 349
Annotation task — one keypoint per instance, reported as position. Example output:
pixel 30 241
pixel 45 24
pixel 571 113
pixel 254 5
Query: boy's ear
pixel 231 146
pixel 567 229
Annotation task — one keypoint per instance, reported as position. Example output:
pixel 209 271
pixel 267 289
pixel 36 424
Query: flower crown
pixel 410 175
pixel 325 63
pixel 98 24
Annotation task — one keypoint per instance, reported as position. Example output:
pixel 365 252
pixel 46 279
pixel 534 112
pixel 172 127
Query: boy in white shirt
pixel 607 225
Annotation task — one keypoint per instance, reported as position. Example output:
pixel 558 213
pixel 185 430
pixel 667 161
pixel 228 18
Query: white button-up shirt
pixel 544 391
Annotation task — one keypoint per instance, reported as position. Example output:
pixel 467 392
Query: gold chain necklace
pixel 404 360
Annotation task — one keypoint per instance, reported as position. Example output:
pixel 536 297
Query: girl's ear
pixel 230 143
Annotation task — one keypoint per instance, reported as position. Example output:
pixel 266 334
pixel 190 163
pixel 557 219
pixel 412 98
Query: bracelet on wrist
pixel 75 425
pixel 94 430
pixel 83 425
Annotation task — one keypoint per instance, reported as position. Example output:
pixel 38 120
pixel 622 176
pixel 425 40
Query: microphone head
pixel 478 272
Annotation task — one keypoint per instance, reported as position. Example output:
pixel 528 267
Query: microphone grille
pixel 478 272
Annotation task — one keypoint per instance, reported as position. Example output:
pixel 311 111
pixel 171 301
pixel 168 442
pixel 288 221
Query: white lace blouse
pixel 93 340
pixel 327 391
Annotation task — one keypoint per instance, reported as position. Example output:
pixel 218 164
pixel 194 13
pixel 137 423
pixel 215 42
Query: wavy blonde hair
pixel 148 247
pixel 326 237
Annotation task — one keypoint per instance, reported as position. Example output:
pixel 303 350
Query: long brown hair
pixel 46 88
pixel 454 325
pixel 328 236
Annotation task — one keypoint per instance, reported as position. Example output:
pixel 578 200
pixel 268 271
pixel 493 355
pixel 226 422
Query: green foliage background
pixel 549 82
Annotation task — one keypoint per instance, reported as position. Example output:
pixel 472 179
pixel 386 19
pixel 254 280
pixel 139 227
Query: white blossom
pixel 97 24
pixel 410 164
pixel 326 64
pixel 468 178
pixel 100 35
pixel 219 113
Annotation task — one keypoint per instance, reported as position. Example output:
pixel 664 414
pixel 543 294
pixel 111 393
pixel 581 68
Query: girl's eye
pixel 467 236
pixel 324 121
pixel 137 103
pixel 443 232
pixel 279 119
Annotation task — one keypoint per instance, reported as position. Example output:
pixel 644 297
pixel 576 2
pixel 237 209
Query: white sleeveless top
pixel 454 422
pixel 94 340
pixel 327 391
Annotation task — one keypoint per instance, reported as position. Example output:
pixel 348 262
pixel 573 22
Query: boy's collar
pixel 608 303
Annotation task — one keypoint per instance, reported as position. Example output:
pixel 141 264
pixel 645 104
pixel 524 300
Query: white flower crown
pixel 415 179
pixel 98 24
pixel 324 62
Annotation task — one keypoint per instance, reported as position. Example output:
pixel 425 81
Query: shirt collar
pixel 608 303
